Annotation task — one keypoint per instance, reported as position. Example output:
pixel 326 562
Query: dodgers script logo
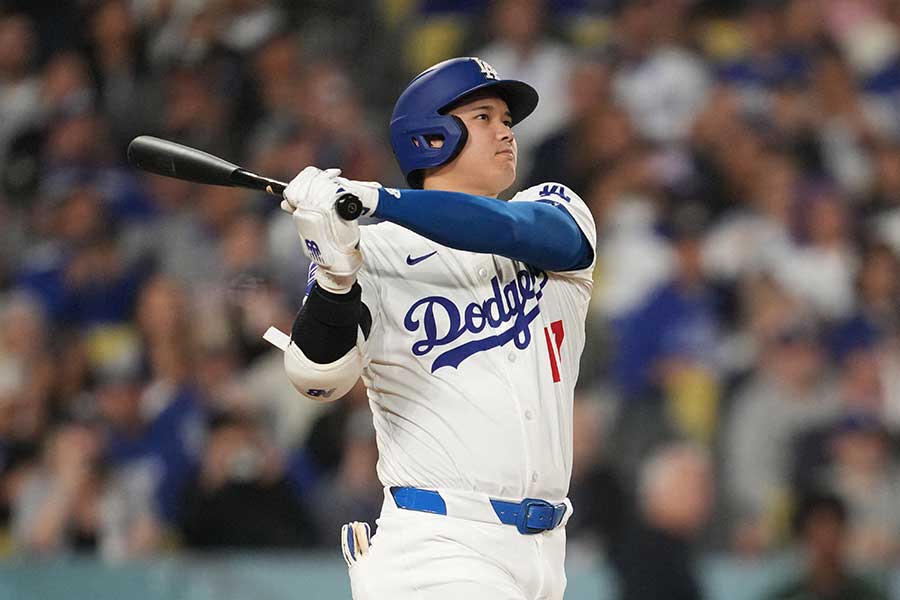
pixel 505 305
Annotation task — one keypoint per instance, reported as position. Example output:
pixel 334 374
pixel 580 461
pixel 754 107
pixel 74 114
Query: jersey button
pixel 511 357
pixel 483 273
pixel 534 478
pixel 529 415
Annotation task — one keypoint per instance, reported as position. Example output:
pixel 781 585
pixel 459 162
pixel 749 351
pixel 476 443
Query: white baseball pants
pixel 421 556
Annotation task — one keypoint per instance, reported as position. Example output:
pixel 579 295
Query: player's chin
pixel 506 168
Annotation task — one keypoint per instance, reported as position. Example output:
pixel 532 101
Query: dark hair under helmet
pixel 420 111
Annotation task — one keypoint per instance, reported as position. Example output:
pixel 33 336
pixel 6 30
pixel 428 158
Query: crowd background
pixel 740 390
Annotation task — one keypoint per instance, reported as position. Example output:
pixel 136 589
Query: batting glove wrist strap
pixel 368 193
pixel 336 284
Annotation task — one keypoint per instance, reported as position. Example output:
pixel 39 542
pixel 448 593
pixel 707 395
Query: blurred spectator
pixel 522 50
pixel 668 345
pixel 725 154
pixel 820 268
pixel 847 125
pixel 868 42
pixel 857 349
pixel 856 346
pixel 240 498
pixel 277 73
pixel 633 257
pixel 72 502
pixel 675 496
pixel 661 83
pixel 768 61
pixel 100 288
pixel 821 526
pixel 789 393
pixel 333 111
pixel 58 506
pixel 884 201
pixel 755 233
pixel 199 107
pixel 288 421
pixel 596 134
pixel 866 477
pixel 791 125
pixel 180 31
pixel 597 494
pixel 185 240
pixel 27 367
pixel 804 25
pixel 157 429
pixel 878 310
pixel 119 66
pixel 66 88
pixel 19 88
pixel 353 492
pixel 877 287
pixel 16 456
pixel 66 83
pixel 248 23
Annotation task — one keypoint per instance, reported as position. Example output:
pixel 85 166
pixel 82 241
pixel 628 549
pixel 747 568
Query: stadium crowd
pixel 741 159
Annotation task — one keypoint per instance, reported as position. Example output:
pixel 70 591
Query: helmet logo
pixel 488 71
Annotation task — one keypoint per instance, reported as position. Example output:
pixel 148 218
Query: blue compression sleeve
pixel 536 233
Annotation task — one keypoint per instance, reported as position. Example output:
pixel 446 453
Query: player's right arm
pixel 326 354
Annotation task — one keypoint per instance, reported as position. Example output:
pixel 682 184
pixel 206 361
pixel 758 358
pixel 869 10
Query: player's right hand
pixel 298 190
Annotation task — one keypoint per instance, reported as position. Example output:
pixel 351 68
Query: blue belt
pixel 530 516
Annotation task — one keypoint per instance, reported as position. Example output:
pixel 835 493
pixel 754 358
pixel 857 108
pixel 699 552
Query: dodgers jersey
pixel 472 359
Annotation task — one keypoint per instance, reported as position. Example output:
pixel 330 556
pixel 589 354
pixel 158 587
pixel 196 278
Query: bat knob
pixel 348 207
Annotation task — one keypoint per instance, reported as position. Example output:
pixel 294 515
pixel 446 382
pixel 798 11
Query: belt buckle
pixel 525 508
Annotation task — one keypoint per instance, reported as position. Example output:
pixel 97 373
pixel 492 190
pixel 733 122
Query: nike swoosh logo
pixel 414 261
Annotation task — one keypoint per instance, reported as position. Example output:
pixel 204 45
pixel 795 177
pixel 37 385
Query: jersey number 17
pixel 554 347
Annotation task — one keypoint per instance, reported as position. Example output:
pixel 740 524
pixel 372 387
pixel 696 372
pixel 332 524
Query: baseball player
pixel 464 315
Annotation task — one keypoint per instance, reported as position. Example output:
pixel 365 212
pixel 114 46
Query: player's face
pixel 487 163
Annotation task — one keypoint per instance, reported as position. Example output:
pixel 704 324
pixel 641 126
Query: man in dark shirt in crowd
pixel 241 498
pixel 821 526
pixel 675 495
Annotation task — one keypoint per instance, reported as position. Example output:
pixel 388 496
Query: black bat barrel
pixel 182 162
pixel 172 159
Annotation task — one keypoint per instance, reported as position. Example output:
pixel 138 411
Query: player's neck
pixel 448 183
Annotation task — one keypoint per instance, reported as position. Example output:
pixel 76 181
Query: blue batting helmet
pixel 420 111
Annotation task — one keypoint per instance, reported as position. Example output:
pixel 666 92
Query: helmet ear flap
pixel 463 138
pixel 410 139
pixel 455 136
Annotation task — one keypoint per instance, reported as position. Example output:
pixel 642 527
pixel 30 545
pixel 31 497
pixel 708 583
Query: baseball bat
pixel 171 159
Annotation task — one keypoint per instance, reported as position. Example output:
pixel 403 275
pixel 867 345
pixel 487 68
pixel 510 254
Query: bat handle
pixel 247 179
pixel 348 207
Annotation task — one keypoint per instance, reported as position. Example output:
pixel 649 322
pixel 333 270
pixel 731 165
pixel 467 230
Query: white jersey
pixel 472 361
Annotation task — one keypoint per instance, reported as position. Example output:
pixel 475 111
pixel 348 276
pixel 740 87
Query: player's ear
pixel 434 141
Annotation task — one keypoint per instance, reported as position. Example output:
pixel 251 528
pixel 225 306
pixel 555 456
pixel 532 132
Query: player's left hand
pixel 366 191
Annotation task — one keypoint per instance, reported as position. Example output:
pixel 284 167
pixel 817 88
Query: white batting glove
pixel 329 241
pixel 298 189
pixel 355 539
